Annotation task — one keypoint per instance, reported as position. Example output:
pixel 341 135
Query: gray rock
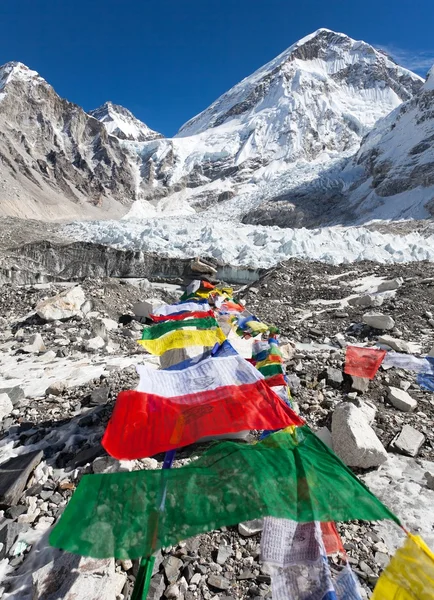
pixel 325 436
pixel 408 442
pixel 56 388
pixel 70 577
pixel 156 587
pixel 36 345
pixel 9 532
pixel 99 395
pixel 368 409
pixel 62 306
pixel 172 566
pixel 401 399
pixel 429 480
pixel 85 456
pixel 14 475
pixel 6 406
pixel 359 384
pixel 249 528
pixel 354 441
pixel 15 394
pixel 224 552
pixel 378 321
pixel 94 344
pixel 390 284
pixel 366 301
pixel 395 343
pixel 147 307
pixel 333 377
pixel 172 592
pixel 218 581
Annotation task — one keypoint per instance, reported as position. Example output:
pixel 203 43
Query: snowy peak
pixel 324 62
pixel 16 71
pixel 121 123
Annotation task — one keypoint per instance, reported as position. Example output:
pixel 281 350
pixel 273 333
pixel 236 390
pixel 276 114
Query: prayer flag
pixel 182 316
pixel 290 475
pixel 184 338
pixel 363 362
pixel 409 575
pixel 191 306
pixel 176 408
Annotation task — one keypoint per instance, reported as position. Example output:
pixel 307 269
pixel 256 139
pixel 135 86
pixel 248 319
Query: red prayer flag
pixel 182 316
pixel 363 362
pixel 145 424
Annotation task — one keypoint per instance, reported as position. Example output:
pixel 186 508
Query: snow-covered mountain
pixel 56 161
pixel 120 122
pixel 397 163
pixel 274 149
pixel 311 105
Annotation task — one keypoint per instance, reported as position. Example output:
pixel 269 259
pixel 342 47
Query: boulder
pixel 147 307
pixel 333 377
pixel 396 344
pixel 56 388
pixel 390 284
pixel 368 409
pixel 218 581
pixel 62 306
pixel 366 301
pixel 95 343
pixel 6 406
pixel 172 566
pixel 378 321
pixel 324 434
pixel 224 552
pixel 70 577
pixel 431 352
pixel 354 441
pixel 36 345
pixel 197 266
pixel 401 399
pixel 408 441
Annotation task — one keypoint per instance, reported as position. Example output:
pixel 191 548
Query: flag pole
pixel 143 579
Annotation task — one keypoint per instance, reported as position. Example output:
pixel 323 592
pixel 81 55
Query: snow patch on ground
pixel 401 485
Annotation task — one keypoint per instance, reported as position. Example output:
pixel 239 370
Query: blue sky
pixel 167 60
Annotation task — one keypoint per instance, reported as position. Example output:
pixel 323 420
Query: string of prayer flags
pixel 182 316
pixel 290 475
pixel 180 307
pixel 172 409
pixel 183 338
pixel 363 362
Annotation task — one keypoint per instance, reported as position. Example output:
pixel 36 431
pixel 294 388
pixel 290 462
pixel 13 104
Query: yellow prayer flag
pixel 183 338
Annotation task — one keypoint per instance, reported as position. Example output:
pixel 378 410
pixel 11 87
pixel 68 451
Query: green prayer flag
pixel 290 474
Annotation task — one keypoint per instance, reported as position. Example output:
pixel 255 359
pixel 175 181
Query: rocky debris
pixel 36 345
pixel 378 320
pixel 408 442
pixel 401 399
pixel 429 480
pixel 14 475
pixel 224 552
pixel 354 441
pixel 65 305
pixel 219 582
pixel 6 406
pixel 325 436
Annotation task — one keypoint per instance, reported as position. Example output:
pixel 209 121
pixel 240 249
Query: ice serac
pixel 56 161
pixel 276 130
pixel 396 160
pixel 121 123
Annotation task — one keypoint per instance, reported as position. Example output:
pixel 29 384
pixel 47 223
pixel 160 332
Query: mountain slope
pixel 121 123
pixel 397 162
pixel 311 105
pixel 57 162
